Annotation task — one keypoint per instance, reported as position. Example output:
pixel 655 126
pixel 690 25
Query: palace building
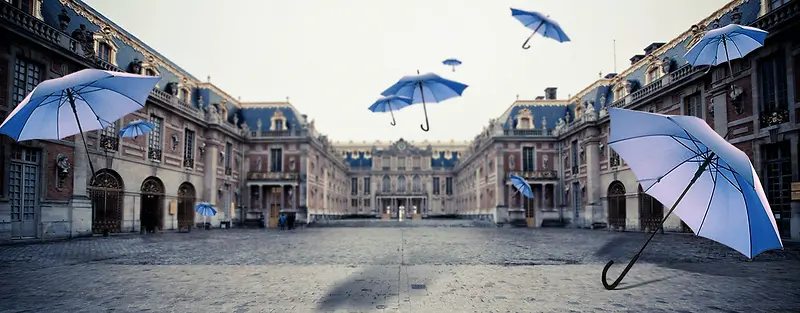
pixel 249 158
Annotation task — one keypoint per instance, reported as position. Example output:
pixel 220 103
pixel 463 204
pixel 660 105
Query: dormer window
pixel 653 74
pixel 524 119
pixel 619 93
pixel 184 95
pixel 104 46
pixel 278 121
pixel 578 110
pixel 279 125
pixel 525 123
pixel 103 51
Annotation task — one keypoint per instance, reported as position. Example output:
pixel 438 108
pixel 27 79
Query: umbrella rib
pixel 668 172
pixel 686 146
pixel 735 185
pixel 97 117
pixel 737 49
pixel 708 207
pixel 694 141
pixel 645 136
pixel 749 223
pixel 119 93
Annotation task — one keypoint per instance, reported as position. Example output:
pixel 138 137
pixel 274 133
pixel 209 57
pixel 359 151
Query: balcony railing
pixel 537 175
pixel 775 117
pixel 778 16
pixel 278 133
pixel 228 171
pixel 154 154
pixel 283 176
pixel 110 143
pixel 38 28
pixel 528 132
pixel 188 163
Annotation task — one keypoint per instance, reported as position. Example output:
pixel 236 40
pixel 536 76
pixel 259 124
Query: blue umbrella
pixel 723 44
pixel 709 183
pixel 452 62
pixel 82 101
pixel 522 186
pixel 425 88
pixel 540 24
pixel 136 128
pixel 390 103
pixel 205 209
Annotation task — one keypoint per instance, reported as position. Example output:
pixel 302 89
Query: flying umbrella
pixel 205 209
pixel 390 104
pixel 452 62
pixel 136 129
pixel 540 24
pixel 83 101
pixel 425 88
pixel 522 186
pixel 710 184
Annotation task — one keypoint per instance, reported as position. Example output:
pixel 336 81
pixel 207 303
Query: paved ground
pixel 419 269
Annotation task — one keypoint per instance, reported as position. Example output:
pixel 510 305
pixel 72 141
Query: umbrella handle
pixel 661 225
pixel 393 123
pixel 427 125
pixel 525 44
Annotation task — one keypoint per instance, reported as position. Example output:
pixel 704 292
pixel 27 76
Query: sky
pixel 334 58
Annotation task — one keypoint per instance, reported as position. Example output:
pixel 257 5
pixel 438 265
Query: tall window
pixel 436 185
pixel 156 139
pixel 528 164
pixel 387 184
pixel 401 184
pixel 27 75
pixel 417 162
pixel 109 137
pixel 276 160
pixel 772 81
pixel 354 186
pixel 367 188
pixel 184 95
pixel 387 163
pixel 104 51
pixel 448 185
pixel 228 151
pixel 653 74
pixel 774 4
pixel 401 163
pixel 694 107
pixel 188 149
pixel 575 161
pixel 416 184
pixel 24 5
pixel 279 125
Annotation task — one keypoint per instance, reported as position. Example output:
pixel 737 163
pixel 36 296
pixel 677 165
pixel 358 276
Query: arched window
pixel 417 183
pixel 387 184
pixel 401 184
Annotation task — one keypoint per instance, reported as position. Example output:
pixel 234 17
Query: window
pixel 774 4
pixel 401 163
pixel 24 5
pixel 109 137
pixel 693 105
pixel 366 203
pixel 416 184
pixel 228 154
pixel 772 81
pixel 104 51
pixel 367 186
pixel 276 160
pixel 575 160
pixel 354 186
pixel 436 185
pixel 387 184
pixel 528 164
pixel 401 184
pixel 188 149
pixel 27 75
pixel 619 93
pixel 354 203
pixel 150 72
pixel 155 136
pixel 417 162
pixel 653 74
pixel 279 126
pixel 387 163
pixel 448 188
pixel 184 95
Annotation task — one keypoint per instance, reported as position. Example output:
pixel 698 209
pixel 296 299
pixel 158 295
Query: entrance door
pixel 651 212
pixel 106 192
pixel 274 207
pixel 151 212
pixel 186 199
pixel 530 211
pixel 22 190
pixel 778 183
pixel 616 205
pixel 576 203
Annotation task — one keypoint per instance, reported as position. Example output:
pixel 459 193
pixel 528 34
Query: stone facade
pixel 264 159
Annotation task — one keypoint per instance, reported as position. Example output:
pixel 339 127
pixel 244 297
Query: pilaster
pixel 211 159
pixel 592 148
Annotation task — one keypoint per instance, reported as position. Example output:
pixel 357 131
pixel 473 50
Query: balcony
pixel 537 175
pixel 272 176
pixel 38 28
pixel 154 155
pixel 778 16
pixel 775 117
pixel 400 194
pixel 228 171
pixel 110 143
pixel 528 132
pixel 188 163
pixel 278 133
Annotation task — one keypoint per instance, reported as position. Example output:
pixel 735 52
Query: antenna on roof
pixel 287 98
pixel 615 55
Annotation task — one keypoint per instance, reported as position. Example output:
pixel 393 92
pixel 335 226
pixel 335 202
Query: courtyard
pixel 445 266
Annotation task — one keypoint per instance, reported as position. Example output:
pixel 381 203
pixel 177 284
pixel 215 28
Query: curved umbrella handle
pixel 525 44
pixel 427 125
pixel 393 123
pixel 621 276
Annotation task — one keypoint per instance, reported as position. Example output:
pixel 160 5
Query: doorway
pixel 651 212
pixel 106 192
pixel 274 206
pixel 617 211
pixel 23 182
pixel 778 183
pixel 186 199
pixel 152 205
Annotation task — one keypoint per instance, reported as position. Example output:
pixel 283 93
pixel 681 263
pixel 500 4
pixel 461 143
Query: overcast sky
pixel 333 58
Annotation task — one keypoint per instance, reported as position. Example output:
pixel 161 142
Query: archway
pixel 106 192
pixel 651 212
pixel 186 198
pixel 616 205
pixel 152 205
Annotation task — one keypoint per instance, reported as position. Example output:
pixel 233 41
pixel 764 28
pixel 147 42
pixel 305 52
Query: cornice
pixel 597 83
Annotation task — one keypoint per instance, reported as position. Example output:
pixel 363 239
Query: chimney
pixel 636 58
pixel 540 98
pixel 550 93
pixel 652 47
pixel 610 75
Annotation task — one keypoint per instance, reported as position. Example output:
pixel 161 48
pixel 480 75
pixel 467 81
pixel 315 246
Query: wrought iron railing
pixel 528 132
pixel 778 16
pixel 228 171
pixel 110 143
pixel 154 154
pixel 188 162
pixel 774 117
pixel 272 176
pixel 533 175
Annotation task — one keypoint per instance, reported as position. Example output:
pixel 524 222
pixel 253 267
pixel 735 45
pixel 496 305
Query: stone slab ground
pixel 392 269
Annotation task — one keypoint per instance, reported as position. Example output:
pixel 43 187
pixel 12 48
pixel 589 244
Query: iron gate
pixel 106 192
pixel 616 205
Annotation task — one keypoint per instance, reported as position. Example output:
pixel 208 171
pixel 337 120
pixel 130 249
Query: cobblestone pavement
pixel 401 269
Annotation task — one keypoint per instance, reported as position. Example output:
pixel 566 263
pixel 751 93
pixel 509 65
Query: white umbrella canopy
pixel 709 183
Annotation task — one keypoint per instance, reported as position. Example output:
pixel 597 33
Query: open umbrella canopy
pixel 390 104
pixel 136 128
pixel 82 101
pixel 540 24
pixel 709 183
pixel 522 186
pixel 452 62
pixel 425 88
pixel 726 43
pixel 205 209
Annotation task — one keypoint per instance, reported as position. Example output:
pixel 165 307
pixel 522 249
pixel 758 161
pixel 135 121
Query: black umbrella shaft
pixel 71 98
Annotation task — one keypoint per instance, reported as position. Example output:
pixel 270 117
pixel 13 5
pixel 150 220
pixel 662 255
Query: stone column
pixel 592 148
pixel 80 204
pixel 211 159
pixel 555 194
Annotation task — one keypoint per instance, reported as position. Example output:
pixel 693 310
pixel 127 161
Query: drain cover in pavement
pixel 380 306
pixel 417 286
